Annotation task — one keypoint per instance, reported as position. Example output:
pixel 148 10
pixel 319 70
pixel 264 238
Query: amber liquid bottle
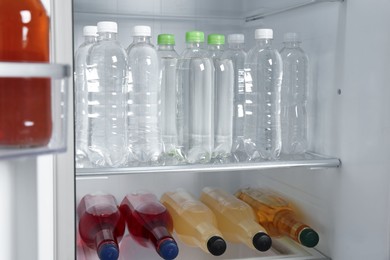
pixel 194 222
pixel 277 216
pixel 236 220
pixel 25 103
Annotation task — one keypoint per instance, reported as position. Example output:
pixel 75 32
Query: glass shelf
pixel 58 75
pixel 308 160
pixel 186 10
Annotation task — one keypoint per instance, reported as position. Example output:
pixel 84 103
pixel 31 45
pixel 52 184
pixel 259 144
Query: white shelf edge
pixel 316 162
pixel 262 15
pixel 34 70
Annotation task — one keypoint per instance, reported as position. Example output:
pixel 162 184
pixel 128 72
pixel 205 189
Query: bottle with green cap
pixel 224 95
pixel 278 216
pixel 195 115
pixel 168 58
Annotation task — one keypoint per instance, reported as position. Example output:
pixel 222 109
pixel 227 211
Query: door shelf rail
pixel 58 74
pixel 307 160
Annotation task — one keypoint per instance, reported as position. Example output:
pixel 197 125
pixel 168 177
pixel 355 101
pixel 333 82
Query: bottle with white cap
pixel 172 152
pixel 235 52
pixel 144 99
pixel 223 105
pixel 107 82
pixel 196 100
pixel 263 78
pixel 294 97
pixel 81 97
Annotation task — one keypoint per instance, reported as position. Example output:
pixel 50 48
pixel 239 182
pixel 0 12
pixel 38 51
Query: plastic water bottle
pixel 196 100
pixel 263 76
pixel 168 63
pixel 224 93
pixel 236 53
pixel 81 96
pixel 144 98
pixel 107 82
pixel 293 100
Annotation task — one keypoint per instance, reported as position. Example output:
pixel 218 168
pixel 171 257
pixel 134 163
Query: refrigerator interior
pixel 347 205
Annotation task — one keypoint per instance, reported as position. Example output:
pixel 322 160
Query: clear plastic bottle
pixel 224 93
pixel 168 64
pixel 196 100
pixel 294 97
pixel 81 96
pixel 107 82
pixel 263 78
pixel 236 53
pixel 144 98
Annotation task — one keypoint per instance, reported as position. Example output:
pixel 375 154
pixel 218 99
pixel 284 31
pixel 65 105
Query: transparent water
pixel 169 133
pixel 107 81
pixel 144 102
pixel 294 99
pixel 81 103
pixel 196 104
pixel 263 76
pixel 237 55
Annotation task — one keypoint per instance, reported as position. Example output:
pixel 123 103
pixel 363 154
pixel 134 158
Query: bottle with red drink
pixel 101 225
pixel 25 110
pixel 150 223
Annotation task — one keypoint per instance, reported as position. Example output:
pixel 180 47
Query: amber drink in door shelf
pixel 25 103
pixel 194 222
pixel 236 219
pixel 278 216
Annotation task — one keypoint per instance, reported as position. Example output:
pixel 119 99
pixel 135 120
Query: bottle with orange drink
pixel 278 216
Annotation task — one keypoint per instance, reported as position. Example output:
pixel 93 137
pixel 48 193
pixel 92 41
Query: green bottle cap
pixel 194 36
pixel 214 39
pixel 308 237
pixel 165 39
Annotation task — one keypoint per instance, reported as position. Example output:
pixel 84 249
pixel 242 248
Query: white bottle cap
pixel 291 37
pixel 264 34
pixel 107 27
pixel 236 38
pixel 90 30
pixel 142 30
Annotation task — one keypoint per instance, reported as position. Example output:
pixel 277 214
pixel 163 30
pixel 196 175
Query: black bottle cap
pixel 308 237
pixel 216 245
pixel 262 241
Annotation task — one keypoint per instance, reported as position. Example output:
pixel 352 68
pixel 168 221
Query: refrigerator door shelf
pixel 59 76
pixel 307 160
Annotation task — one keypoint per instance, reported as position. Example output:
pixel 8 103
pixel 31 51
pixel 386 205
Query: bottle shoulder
pixel 293 53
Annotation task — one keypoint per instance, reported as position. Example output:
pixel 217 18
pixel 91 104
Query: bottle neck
pixel 104 236
pixel 264 42
pixel 158 234
pixel 287 224
pixel 237 46
pixel 107 36
pixel 139 39
pixel 166 47
pixel 291 44
pixel 216 47
pixel 89 39
pixel 194 45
